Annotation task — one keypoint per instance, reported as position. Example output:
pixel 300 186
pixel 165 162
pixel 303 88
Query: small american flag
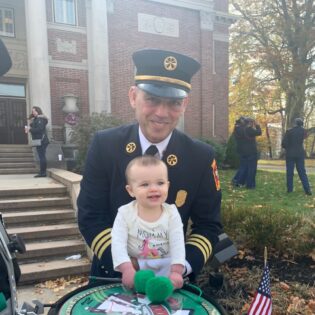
pixel 262 303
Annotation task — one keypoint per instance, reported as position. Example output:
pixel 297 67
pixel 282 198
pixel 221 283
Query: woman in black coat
pixel 38 131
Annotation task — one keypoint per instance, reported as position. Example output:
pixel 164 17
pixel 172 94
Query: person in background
pixel 292 142
pixel 147 228
pixel 238 132
pixel 159 98
pixel 38 122
pixel 246 130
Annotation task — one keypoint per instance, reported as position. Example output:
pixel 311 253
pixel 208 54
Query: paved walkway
pixel 268 167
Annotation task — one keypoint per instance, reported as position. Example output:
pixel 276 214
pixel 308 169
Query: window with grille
pixel 65 11
pixel 7 22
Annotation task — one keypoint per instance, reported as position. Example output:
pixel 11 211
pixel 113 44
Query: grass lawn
pixel 270 192
pixel 255 218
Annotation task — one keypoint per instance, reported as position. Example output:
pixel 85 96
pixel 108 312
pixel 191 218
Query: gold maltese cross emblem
pixel 172 160
pixel 130 147
pixel 170 63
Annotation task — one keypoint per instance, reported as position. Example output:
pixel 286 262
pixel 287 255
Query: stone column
pixel 98 55
pixel 37 51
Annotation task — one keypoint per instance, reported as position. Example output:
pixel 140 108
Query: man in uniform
pixel 159 98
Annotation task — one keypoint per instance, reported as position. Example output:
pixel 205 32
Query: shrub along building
pixel 73 57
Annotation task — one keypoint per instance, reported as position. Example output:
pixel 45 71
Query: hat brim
pixel 163 90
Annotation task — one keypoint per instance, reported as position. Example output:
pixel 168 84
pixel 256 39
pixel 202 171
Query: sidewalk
pixel 280 166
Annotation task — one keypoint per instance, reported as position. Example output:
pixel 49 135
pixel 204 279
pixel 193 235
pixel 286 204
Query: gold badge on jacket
pixel 181 198
pixel 172 160
pixel 215 174
pixel 131 147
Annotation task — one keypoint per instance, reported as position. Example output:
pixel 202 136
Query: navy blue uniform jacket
pixel 194 188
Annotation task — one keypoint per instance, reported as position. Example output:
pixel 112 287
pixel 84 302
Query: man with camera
pixel 245 132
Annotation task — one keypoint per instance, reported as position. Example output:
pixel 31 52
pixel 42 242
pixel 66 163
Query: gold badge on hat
pixel 180 198
pixel 172 160
pixel 170 63
pixel 131 147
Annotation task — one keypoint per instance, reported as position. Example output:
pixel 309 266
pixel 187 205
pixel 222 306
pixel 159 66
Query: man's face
pixel 157 116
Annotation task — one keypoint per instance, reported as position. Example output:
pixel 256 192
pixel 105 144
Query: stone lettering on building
pixel 158 25
pixel 64 46
pixel 19 60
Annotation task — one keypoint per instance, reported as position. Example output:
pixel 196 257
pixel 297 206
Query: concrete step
pixel 40 271
pixel 41 250
pixel 8 148
pixel 20 159
pixel 42 190
pixel 17 165
pixel 17 155
pixel 36 217
pixel 17 170
pixel 28 203
pixel 45 232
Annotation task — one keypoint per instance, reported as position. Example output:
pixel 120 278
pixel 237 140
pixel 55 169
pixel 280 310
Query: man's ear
pixel 132 96
pixel 129 189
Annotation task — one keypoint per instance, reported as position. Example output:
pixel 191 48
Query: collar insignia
pixel 131 147
pixel 172 160
pixel 170 63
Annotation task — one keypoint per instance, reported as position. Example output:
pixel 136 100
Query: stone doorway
pixel 12 121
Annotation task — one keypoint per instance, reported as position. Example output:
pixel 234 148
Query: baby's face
pixel 148 184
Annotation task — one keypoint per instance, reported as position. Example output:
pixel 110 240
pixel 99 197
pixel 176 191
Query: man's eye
pixel 153 100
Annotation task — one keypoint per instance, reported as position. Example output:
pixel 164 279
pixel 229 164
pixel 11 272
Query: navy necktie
pixel 151 150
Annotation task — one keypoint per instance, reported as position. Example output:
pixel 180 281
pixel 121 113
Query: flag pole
pixel 265 256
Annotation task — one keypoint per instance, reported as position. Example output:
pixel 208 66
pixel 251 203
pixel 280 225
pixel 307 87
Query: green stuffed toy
pixel 157 289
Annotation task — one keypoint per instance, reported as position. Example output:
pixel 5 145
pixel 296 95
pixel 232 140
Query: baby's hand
pixel 128 278
pixel 128 274
pixel 177 280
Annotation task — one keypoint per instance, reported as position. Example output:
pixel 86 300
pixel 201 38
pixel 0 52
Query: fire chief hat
pixel 164 73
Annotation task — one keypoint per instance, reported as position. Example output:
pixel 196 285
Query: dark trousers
pixel 300 167
pixel 246 174
pixel 41 151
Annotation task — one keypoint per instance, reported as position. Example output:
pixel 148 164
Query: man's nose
pixel 162 109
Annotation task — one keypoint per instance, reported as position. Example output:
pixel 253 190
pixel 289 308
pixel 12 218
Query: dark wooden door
pixel 12 121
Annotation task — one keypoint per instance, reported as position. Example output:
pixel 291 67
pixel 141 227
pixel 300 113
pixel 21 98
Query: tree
pixel 276 39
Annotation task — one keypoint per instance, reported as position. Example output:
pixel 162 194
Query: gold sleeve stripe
pixel 201 249
pixel 101 242
pixel 193 240
pixel 98 237
pixel 103 248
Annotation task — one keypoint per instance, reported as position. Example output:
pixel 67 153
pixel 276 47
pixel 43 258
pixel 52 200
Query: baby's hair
pixel 144 160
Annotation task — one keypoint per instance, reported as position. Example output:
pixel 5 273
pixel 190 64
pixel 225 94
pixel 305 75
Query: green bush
pixel 256 228
pixel 85 129
pixel 219 149
pixel 232 158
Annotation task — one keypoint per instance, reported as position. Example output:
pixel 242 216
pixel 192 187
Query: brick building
pixel 75 56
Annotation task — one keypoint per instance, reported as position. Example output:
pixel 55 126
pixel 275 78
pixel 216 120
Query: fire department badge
pixel 180 198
